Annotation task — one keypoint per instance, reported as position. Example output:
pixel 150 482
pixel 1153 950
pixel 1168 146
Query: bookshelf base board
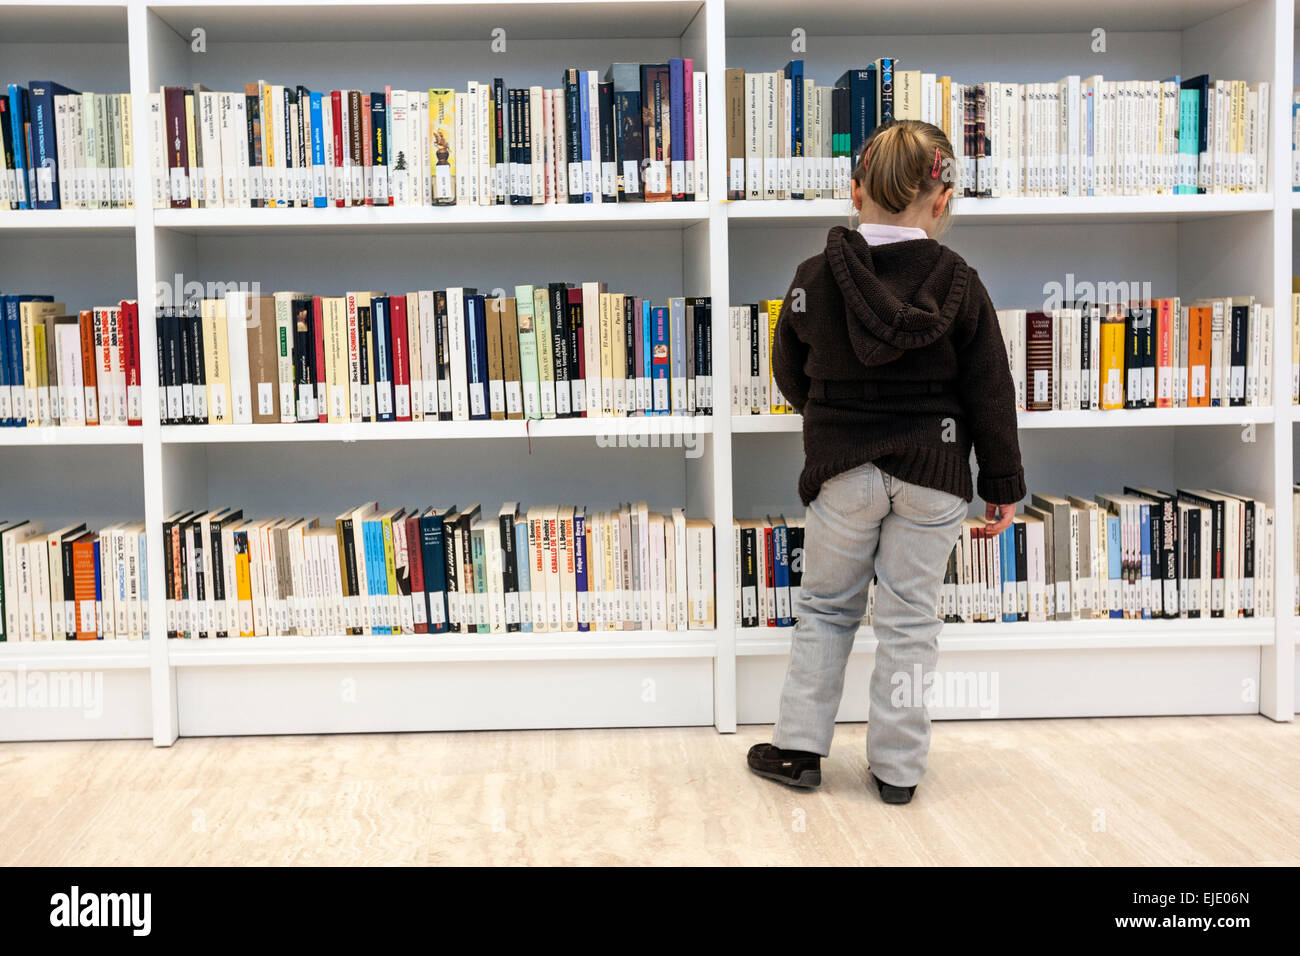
pixel 389 698
pixel 1109 682
pixel 77 704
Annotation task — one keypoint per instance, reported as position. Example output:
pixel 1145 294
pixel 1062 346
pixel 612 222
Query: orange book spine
pixel 83 588
pixel 1198 356
pixel 1164 353
pixel 86 323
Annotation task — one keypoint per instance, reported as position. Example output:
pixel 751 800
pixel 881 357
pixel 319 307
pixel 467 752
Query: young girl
pixel 890 348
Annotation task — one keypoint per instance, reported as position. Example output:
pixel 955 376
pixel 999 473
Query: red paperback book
pixel 131 337
pixel 336 106
pixel 416 561
pixel 318 331
pixel 401 360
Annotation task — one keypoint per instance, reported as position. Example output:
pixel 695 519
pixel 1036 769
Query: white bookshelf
pixel 715 467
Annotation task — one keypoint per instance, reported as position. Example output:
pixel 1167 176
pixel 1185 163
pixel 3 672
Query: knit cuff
pixel 1005 490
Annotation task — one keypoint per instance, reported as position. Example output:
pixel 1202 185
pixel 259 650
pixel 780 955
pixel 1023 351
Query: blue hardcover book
pixel 476 355
pixel 433 554
pixel 647 349
pixel 376 574
pixel 794 73
pixel 1189 108
pixel 1144 532
pixel 677 126
pixel 781 572
pixel 1007 553
pixel 1200 85
pixel 580 568
pixel 383 331
pixel 99 596
pixel 525 586
pixel 13 333
pixel 45 151
pixel 1115 566
pixel 319 199
pixel 142 550
pixel 861 85
pixel 659 382
pixel 18 127
pixel 585 106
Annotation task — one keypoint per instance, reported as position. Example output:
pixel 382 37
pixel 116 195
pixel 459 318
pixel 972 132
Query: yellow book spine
pixel 26 330
pixel 216 361
pixel 190 105
pixel 244 593
pixel 128 150
pixel 607 367
pixel 443 145
pixel 390 566
pixel 1112 364
pixel 268 144
pixel 336 360
pixel 778 404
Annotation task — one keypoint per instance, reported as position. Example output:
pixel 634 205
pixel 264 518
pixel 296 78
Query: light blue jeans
pixel 865 522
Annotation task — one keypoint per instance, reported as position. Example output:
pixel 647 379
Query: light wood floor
pixel 1173 790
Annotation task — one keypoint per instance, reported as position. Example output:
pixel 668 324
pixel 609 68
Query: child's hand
pixel 997 518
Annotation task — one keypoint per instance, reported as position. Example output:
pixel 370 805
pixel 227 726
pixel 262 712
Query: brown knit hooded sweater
pixel 893 355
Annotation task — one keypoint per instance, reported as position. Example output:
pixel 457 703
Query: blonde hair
pixel 903 161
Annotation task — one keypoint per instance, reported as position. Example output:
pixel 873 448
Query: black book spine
pixel 512 171
pixel 631 329
pixel 573 133
pixel 1194 553
pixel 169 568
pixel 526 148
pixel 1248 562
pixel 289 159
pixel 160 340
pixel 70 621
pixel 1085 353
pixel 218 575
pixel 509 565
pixel 253 113
pixel 364 339
pixel 1021 546
pixel 708 350
pixel 451 560
pixel 184 537
pixel 175 360
pixel 557 297
pixel 501 184
pixel 1240 335
pixel 349 557
pixel 200 585
pixel 198 368
pixel 609 178
pixel 304 357
pixel 574 332
pixel 629 145
pixel 1132 362
pixel 748 578
pixel 444 363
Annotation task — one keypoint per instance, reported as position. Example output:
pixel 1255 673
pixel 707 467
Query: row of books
pixel 753 389
pixel 1154 353
pixel 66 150
pixel 63 369
pixel 1141 554
pixel 788 138
pixel 549 351
pixel 640 133
pixel 438 570
pixel 73 583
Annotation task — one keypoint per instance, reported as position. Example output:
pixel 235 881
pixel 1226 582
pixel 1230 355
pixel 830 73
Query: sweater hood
pixel 897 297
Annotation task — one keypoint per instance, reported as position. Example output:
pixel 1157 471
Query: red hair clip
pixel 934 171
pixel 867 155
